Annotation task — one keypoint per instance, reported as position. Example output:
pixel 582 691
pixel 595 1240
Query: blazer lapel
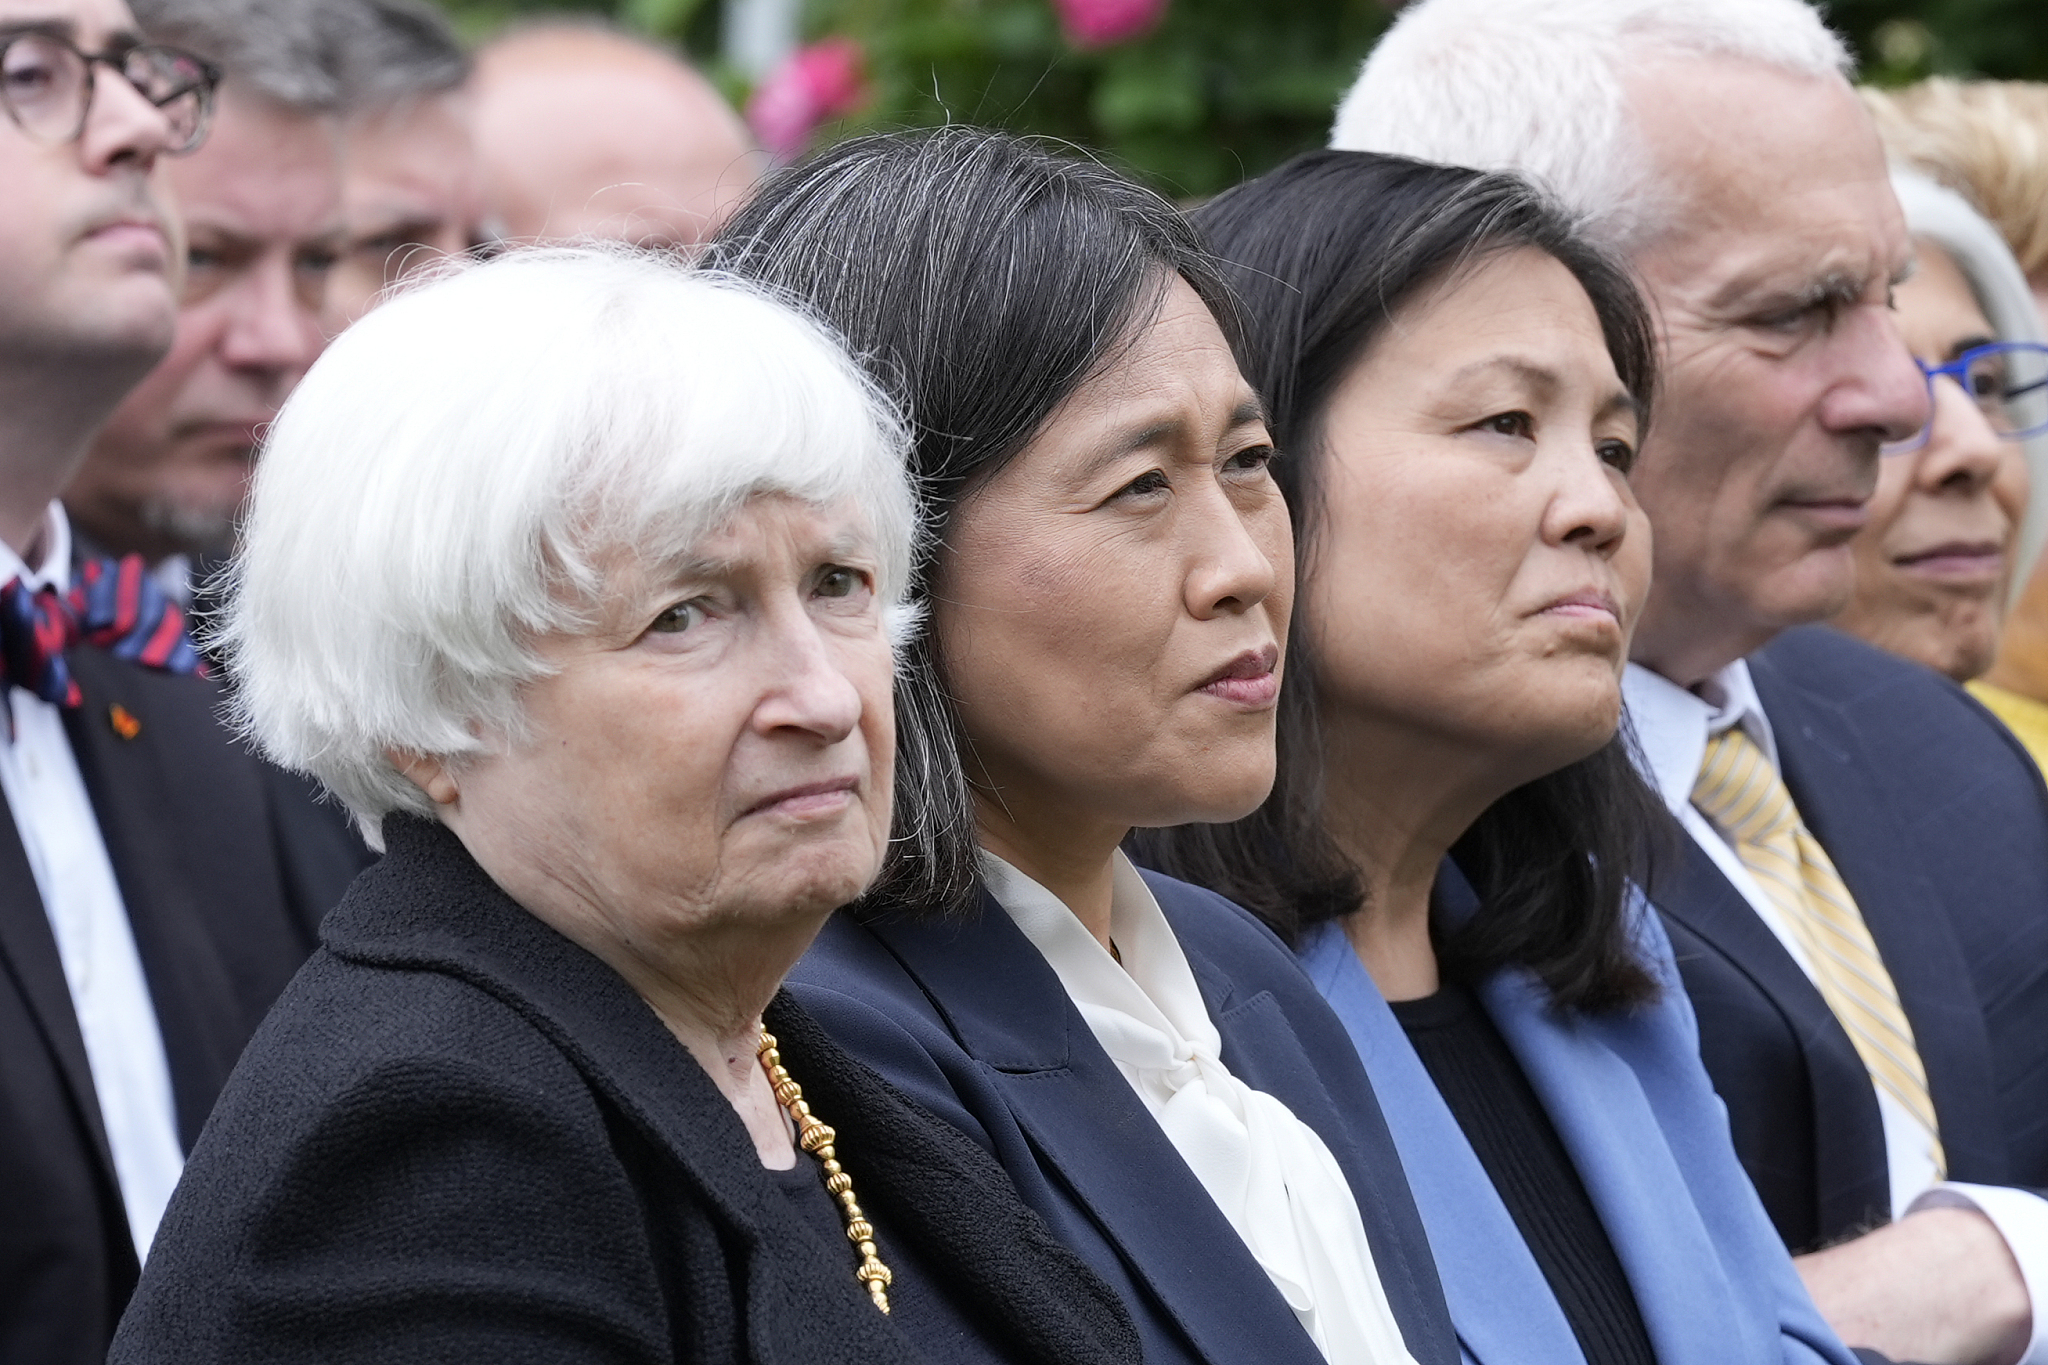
pixel 1849 1157
pixel 141 804
pixel 1007 1008
pixel 1827 766
pixel 28 953
pixel 1500 1302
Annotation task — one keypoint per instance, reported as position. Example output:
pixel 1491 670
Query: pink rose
pixel 1098 23
pixel 813 84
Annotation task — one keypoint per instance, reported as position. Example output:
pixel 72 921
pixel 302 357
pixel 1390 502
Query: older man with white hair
pixel 1859 900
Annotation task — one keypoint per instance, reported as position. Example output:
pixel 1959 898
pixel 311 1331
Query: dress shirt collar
pixel 54 570
pixel 1672 724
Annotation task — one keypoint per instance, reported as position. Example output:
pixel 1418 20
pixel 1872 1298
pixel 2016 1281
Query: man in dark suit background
pixel 1859 893
pixel 153 896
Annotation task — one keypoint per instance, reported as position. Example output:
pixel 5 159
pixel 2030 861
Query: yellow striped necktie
pixel 1742 793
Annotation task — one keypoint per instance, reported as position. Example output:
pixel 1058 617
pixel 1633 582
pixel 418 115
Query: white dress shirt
pixel 1269 1173
pixel 1672 726
pixel 110 996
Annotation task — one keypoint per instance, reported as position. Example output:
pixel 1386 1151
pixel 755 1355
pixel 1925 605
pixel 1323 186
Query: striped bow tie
pixel 114 604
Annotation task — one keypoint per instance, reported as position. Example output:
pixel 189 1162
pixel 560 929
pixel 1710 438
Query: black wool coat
pixel 460 1137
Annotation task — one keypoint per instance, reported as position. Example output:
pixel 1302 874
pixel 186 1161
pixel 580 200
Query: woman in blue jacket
pixel 1462 383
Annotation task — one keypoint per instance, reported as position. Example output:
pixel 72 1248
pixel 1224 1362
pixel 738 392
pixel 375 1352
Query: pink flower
pixel 814 84
pixel 1098 23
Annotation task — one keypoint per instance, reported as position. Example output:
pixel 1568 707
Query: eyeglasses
pixel 2007 380
pixel 46 85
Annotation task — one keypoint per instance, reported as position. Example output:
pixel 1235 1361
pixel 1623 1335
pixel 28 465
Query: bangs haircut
pixel 1324 253
pixel 465 468
pixel 983 278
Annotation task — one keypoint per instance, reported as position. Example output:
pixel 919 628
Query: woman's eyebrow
pixel 1969 343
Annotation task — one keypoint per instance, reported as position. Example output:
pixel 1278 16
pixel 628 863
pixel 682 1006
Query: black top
pixel 1512 1136
pixel 459 1136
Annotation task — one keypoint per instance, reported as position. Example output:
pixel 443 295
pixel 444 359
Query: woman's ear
pixel 431 775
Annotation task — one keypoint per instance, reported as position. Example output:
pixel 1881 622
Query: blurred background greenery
pixel 1217 89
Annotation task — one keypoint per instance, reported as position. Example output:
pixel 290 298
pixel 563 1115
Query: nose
pixel 270 330
pixel 808 693
pixel 121 127
pixel 1877 388
pixel 1588 508
pixel 1963 453
pixel 1229 569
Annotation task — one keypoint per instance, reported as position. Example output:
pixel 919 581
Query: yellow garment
pixel 1742 793
pixel 2025 717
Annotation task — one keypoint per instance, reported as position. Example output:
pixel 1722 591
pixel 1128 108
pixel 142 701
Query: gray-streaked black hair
pixel 982 278
pixel 394 50
pixel 282 50
pixel 1323 252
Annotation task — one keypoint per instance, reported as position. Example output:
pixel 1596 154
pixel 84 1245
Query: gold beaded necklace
pixel 815 1137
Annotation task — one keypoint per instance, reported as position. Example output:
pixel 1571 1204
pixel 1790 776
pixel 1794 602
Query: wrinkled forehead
pixel 1765 173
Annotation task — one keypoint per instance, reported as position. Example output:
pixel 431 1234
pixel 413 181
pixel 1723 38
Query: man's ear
pixel 430 774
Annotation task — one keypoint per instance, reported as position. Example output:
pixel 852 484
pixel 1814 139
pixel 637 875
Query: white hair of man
pixel 1538 87
pixel 465 468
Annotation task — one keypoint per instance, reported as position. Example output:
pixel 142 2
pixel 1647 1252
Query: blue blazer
pixel 1634 1109
pixel 972 1022
pixel 1938 822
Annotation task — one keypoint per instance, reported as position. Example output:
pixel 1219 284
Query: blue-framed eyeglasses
pixel 2007 380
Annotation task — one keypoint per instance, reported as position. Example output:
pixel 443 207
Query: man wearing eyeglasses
pixel 146 918
pixel 261 204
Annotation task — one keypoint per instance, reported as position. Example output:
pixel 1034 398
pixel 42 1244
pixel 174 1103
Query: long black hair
pixel 1322 253
pixel 982 278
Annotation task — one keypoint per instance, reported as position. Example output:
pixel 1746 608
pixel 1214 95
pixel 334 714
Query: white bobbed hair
pixel 1537 87
pixel 458 471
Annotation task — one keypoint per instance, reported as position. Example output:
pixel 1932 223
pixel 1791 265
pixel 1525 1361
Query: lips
pixel 1592 603
pixel 1247 680
pixel 1955 559
pixel 808 800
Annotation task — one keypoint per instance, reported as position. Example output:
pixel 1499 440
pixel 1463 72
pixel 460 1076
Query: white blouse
pixel 1268 1172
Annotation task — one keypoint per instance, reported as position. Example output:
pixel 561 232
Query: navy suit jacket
pixel 971 1021
pixel 1938 822
pixel 223 878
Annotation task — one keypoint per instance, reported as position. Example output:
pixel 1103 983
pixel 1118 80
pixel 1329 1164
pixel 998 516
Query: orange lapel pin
pixel 123 720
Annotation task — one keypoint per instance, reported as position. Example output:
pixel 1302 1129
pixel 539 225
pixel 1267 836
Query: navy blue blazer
pixel 969 1019
pixel 1633 1107
pixel 1938 823
pixel 224 868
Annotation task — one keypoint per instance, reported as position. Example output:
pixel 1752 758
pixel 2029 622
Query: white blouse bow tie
pixel 1270 1174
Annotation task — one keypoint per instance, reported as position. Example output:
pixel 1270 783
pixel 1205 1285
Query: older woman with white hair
pixel 573 576
pixel 1949 528
pixel 1962 507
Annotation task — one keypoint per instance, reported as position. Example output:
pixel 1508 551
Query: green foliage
pixel 1903 42
pixel 1220 89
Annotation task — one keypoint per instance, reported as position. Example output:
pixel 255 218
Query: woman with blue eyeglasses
pixel 1936 566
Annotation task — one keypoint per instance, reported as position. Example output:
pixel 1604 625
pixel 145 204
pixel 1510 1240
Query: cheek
pixel 1888 504
pixel 2013 485
pixel 1632 567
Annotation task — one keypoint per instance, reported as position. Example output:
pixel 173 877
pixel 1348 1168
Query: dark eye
pixel 1619 454
pixel 838 581
pixel 1151 481
pixel 677 619
pixel 1516 424
pixel 1252 457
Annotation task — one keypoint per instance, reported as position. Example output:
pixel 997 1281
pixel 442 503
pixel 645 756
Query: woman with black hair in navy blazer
pixel 1107 601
